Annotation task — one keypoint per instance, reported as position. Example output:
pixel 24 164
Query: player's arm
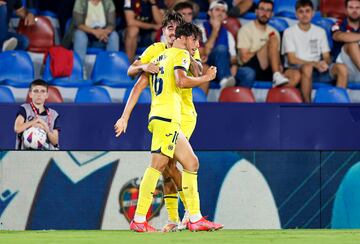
pixel 20 125
pixel 137 67
pixel 196 67
pixel 184 81
pixel 121 124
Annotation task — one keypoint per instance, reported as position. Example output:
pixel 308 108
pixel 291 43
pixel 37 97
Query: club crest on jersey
pixel 128 198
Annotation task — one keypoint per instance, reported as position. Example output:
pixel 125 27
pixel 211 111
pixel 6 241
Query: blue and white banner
pixel 242 190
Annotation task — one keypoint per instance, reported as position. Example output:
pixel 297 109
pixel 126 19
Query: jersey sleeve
pixel 182 61
pixel 197 55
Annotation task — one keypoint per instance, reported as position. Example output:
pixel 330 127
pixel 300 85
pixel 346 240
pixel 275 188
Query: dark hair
pixel 347 1
pixel 265 1
pixel 304 3
pixel 188 29
pixel 172 16
pixel 38 82
pixel 182 5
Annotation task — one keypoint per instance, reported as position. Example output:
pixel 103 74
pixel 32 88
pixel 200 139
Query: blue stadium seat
pixel 74 80
pixel 354 85
pixel 16 69
pixel 279 24
pixel 110 69
pixel 199 95
pixel 331 95
pixel 6 96
pixel 145 96
pixel 285 8
pixel 326 24
pixel 92 94
pixel 262 84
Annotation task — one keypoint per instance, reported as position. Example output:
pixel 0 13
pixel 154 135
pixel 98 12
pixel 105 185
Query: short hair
pixel 172 16
pixel 188 29
pixel 265 1
pixel 347 1
pixel 304 3
pixel 182 5
pixel 38 82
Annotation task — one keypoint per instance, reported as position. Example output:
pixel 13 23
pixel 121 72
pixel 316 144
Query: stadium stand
pixel 236 94
pixel 74 80
pixel 92 94
pixel 6 96
pixel 110 69
pixel 199 95
pixel 284 95
pixel 285 8
pixel 331 95
pixel 145 96
pixel 16 69
pixel 41 35
pixel 332 8
pixel 54 96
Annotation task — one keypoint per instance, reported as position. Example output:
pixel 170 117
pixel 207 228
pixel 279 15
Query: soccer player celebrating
pixel 168 141
pixel 188 113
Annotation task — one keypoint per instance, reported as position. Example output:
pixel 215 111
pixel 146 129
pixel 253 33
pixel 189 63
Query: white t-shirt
pixel 307 45
pixel 95 15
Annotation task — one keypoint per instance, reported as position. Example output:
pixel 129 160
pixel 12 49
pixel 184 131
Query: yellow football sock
pixel 182 198
pixel 146 191
pixel 171 204
pixel 190 190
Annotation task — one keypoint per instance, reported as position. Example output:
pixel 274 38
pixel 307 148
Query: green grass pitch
pixel 219 237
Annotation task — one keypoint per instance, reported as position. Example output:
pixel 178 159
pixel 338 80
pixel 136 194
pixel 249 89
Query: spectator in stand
pixel 306 48
pixel 238 7
pixel 9 40
pixel 219 45
pixel 259 51
pixel 95 26
pixel 143 18
pixel 346 34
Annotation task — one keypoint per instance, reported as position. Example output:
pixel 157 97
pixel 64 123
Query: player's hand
pixel 29 19
pixel 120 126
pixel 151 68
pixel 211 73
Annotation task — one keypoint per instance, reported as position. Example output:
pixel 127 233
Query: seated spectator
pixel 10 40
pixel 306 48
pixel 143 18
pixel 259 51
pixel 346 34
pixel 219 44
pixel 240 7
pixel 95 26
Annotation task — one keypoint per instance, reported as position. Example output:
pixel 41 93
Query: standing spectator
pixel 346 34
pixel 9 40
pixel 143 17
pixel 95 26
pixel 306 48
pixel 219 44
pixel 259 51
pixel 36 114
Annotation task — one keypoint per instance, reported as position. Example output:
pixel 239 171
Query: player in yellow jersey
pixel 171 174
pixel 164 123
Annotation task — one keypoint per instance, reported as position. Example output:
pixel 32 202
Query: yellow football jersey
pixel 188 111
pixel 166 95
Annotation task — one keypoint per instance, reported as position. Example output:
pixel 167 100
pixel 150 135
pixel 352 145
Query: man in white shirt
pixel 259 51
pixel 306 48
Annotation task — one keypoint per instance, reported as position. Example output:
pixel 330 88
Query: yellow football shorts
pixel 188 127
pixel 164 136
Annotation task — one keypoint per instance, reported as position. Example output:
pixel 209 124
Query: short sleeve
pixel 148 54
pixel 288 44
pixel 243 39
pixel 21 111
pixel 182 61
